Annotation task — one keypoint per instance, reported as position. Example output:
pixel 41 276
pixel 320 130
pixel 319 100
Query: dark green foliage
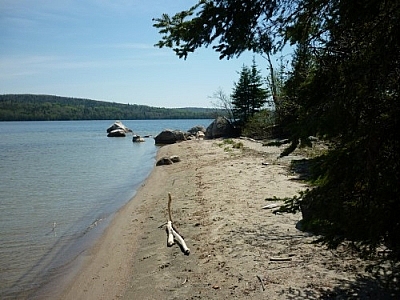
pixel 51 108
pixel 344 87
pixel 354 199
pixel 348 92
pixel 232 27
pixel 259 125
pixel 248 95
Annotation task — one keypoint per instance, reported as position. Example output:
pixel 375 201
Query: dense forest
pixel 27 107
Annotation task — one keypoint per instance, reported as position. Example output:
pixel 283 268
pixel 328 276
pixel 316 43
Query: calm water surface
pixel 60 183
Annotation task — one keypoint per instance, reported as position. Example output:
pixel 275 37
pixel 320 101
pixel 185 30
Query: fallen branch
pixel 170 240
pixel 170 215
pixel 169 207
pixel 162 225
pixel 280 258
pixel 262 283
pixel 181 242
pixel 269 206
pixel 173 234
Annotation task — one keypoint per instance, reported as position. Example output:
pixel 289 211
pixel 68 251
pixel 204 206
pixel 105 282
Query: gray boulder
pixel 168 160
pixel 137 138
pixel 116 133
pixel 196 129
pixel 220 127
pixel 175 158
pixel 170 137
pixel 164 161
pixel 118 126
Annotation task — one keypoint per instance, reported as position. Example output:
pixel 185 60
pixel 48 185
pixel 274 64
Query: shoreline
pixel 99 261
pixel 218 194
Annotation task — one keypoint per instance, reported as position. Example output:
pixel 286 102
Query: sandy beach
pixel 238 250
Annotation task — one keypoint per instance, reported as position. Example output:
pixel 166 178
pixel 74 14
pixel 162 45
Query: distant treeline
pixel 27 107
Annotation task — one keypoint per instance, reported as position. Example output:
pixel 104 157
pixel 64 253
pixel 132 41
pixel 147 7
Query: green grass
pixel 230 144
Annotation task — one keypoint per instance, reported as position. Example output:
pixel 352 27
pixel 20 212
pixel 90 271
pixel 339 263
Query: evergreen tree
pixel 248 95
pixel 345 88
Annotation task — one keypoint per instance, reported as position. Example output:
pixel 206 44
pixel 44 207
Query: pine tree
pixel 249 95
pixel 344 88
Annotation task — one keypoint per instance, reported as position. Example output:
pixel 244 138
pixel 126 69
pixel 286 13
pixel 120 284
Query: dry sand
pixel 218 193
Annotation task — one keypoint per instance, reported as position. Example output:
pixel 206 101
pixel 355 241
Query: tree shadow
pixel 362 288
pixel 302 168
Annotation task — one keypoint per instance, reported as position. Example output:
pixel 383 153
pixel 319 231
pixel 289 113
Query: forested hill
pixel 27 107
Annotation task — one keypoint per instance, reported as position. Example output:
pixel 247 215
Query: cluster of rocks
pixel 220 127
pixel 120 130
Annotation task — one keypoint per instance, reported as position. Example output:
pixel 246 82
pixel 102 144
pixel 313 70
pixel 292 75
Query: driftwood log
pixel 273 205
pixel 280 258
pixel 170 240
pixel 173 234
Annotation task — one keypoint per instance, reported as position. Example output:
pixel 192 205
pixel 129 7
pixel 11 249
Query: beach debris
pixel 173 234
pixel 262 283
pixel 169 207
pixel 273 205
pixel 54 228
pixel 181 242
pixel 170 240
pixel 280 259
pixel 162 225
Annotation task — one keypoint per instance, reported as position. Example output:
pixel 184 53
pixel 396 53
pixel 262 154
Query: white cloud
pixel 13 66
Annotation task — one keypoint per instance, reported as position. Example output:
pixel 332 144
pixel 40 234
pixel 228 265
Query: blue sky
pixel 104 50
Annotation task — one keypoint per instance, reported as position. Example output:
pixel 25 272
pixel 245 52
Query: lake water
pixel 60 184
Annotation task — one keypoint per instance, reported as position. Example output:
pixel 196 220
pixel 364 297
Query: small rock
pixel 175 158
pixel 164 161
